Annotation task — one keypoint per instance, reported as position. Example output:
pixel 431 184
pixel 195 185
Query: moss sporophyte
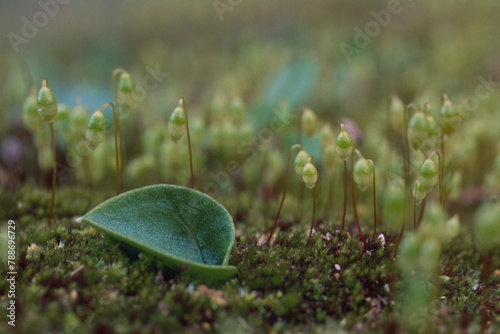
pixel 306 171
pixel 47 109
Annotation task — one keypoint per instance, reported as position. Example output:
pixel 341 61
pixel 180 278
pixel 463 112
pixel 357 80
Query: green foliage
pixel 179 226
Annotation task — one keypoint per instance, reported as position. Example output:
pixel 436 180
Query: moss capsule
pixel 329 155
pixel 396 111
pixel 448 116
pixel 309 122
pixel 418 129
pixel 429 174
pixel 419 192
pixel 177 123
pixel 47 104
pixel 30 112
pixel 326 135
pixel 487 227
pixel 95 129
pixel 126 90
pixel 310 175
pixel 300 161
pixel 363 173
pixel 344 144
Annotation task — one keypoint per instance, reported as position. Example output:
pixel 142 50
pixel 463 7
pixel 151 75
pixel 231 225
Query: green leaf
pixel 178 225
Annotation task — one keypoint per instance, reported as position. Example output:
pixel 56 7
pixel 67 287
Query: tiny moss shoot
pixel 124 94
pixel 95 135
pixel 344 146
pixel 310 177
pixel 353 192
pixel 284 190
pixel 47 109
pixel 177 127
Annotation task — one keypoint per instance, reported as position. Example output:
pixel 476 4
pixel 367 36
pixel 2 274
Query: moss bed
pixel 71 279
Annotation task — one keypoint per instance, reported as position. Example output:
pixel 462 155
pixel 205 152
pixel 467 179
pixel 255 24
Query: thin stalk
pixel 353 191
pixel 299 141
pixel 422 209
pixel 284 192
pixel 374 202
pixel 345 194
pixel 442 190
pixel 331 194
pixel 189 143
pixel 117 121
pixel 54 172
pixel 407 174
pixel 312 221
pixel 415 211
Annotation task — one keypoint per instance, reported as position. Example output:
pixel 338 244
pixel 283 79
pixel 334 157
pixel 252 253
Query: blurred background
pixel 340 59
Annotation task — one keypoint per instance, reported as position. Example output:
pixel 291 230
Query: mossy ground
pixel 73 280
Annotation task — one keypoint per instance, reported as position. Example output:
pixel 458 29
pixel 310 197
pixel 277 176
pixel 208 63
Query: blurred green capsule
pixel 487 227
pixel 448 116
pixel 126 91
pixel 309 122
pixel 429 173
pixel 396 113
pixel 177 123
pixel 300 162
pixel 418 129
pixel 47 104
pixel 329 155
pixel 363 174
pixel 326 135
pixel 30 112
pixel 419 192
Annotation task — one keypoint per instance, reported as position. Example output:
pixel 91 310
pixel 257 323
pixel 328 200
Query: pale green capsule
pixel 487 227
pixel 126 91
pixel 429 257
pixel 396 112
pixel 47 104
pixel 326 135
pixel 177 123
pixel 429 173
pixel 309 122
pixel 363 174
pixel 30 113
pixel 329 155
pixel 95 130
pixel 418 129
pixel 419 192
pixel 310 175
pixel 448 116
pixel 300 162
pixel 344 144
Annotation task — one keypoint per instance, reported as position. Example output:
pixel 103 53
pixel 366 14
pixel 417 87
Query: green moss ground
pixel 76 281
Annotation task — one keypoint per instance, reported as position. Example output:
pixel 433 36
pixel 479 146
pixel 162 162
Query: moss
pixel 76 280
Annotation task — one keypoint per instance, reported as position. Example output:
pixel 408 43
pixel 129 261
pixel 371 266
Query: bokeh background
pixel 268 53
